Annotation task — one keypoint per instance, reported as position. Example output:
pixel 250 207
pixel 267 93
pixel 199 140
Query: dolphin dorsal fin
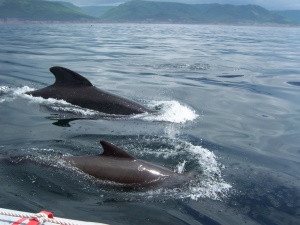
pixel 68 77
pixel 114 151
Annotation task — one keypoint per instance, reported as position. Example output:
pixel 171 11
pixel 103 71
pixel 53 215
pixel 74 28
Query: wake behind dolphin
pixel 77 90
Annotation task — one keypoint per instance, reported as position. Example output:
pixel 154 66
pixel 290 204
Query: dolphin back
pixel 77 90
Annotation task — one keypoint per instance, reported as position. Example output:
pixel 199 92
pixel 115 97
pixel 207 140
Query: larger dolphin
pixel 116 165
pixel 77 90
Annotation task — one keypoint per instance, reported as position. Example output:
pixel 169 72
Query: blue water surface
pixel 228 98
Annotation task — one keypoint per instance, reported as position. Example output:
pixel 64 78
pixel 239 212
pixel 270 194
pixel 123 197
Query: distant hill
pixel 68 5
pixel 95 11
pixel 38 10
pixel 170 12
pixel 293 15
pixel 143 12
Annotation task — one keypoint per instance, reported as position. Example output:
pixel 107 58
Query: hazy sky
pixel 268 4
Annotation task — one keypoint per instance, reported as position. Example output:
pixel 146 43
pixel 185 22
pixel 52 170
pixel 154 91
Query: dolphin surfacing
pixel 77 90
pixel 116 165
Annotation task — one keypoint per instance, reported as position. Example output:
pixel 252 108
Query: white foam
pixel 206 159
pixel 169 111
pixel 212 184
pixel 4 89
pixel 12 93
pixel 208 181
pixel 74 109
pixel 62 106
pixel 20 91
pixel 180 167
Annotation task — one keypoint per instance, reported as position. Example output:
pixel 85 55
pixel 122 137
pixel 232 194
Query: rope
pixel 39 217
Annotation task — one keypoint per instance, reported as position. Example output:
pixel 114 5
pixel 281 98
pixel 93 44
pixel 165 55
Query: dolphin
pixel 77 90
pixel 119 167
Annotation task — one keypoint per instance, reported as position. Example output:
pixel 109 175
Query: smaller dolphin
pixel 77 90
pixel 116 165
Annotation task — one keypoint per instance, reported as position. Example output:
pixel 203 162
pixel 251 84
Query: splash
pixel 186 158
pixel 169 111
pixel 180 167
pixel 9 94
pixel 208 183
pixel 212 184
pixel 3 89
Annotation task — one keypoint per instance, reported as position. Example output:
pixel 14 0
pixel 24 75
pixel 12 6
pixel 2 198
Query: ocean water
pixel 228 101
